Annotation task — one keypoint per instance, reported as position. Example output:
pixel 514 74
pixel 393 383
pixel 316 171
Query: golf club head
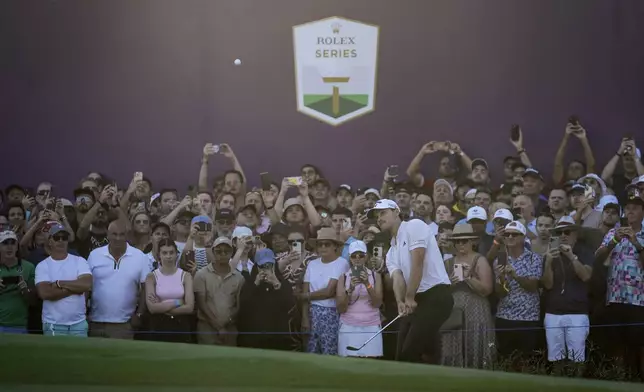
pixel 351 348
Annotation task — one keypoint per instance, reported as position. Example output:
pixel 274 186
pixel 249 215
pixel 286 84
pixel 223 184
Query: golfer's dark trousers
pixel 420 332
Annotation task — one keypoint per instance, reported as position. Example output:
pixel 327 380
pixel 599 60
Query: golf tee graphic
pixel 336 62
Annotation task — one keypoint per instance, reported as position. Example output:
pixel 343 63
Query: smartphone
pixel 516 211
pixel 297 181
pixel 297 247
pixel 589 193
pixel 10 280
pixel 266 181
pixel 346 224
pixel 192 191
pixel 215 148
pixel 378 251
pixel 458 272
pixel 356 270
pixel 573 120
pixel 555 242
pixel 393 170
pixel 138 176
pixel 623 222
pixel 203 226
pixel 515 132
pixel 257 240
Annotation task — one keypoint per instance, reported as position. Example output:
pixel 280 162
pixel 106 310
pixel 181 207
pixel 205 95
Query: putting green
pixel 92 365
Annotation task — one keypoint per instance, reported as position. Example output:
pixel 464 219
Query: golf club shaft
pixel 379 332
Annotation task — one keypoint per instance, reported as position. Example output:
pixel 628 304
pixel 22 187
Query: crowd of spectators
pixel 300 265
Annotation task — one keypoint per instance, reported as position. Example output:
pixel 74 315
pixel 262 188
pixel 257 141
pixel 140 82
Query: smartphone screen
pixel 266 181
pixel 555 242
pixel 138 176
pixel 514 133
pixel 294 180
pixel 458 272
pixel 623 221
pixel 346 224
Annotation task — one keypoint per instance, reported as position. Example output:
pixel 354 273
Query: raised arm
pixel 521 150
pixel 228 152
pixel 609 169
pixel 311 212
pixel 169 219
pixel 413 171
pixel 559 169
pixel 208 151
pixel 588 151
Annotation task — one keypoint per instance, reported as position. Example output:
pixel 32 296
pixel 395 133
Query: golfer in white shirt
pixel 421 283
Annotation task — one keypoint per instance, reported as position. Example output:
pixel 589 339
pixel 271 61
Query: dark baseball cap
pixel 479 162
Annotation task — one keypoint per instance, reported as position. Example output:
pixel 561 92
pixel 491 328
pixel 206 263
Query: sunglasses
pixel 222 251
pixel 511 235
pixel 325 244
pixel 225 222
pixel 43 193
pixel 461 241
pixel 9 242
pixel 267 266
pixel 183 222
pixel 358 255
pixel 565 232
pixel 141 221
pixel 60 237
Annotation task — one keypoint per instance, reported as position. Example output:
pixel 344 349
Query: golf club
pixel 351 348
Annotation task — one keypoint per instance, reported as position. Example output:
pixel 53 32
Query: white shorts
pixel 566 336
pixel 349 335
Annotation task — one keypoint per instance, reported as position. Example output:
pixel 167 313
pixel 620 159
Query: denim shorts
pixel 78 329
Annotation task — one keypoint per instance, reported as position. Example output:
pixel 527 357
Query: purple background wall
pixel 121 86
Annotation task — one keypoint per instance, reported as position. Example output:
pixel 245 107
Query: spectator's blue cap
pixel 201 219
pixel 264 256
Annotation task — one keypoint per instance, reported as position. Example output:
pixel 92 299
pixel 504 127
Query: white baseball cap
pixel 383 204
pixel 357 246
pixel 503 213
pixel 372 191
pixel 7 235
pixel 476 212
pixel 638 180
pixel 516 227
pixel 471 193
pixel 242 231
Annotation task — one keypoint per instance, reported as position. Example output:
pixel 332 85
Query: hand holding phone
pixel 515 132
pixel 266 181
pixel 293 181
pixel 458 272
pixel 138 177
pixel 378 251
pixel 346 224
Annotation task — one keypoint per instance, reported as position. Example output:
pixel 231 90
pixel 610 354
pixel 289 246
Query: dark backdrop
pixel 121 86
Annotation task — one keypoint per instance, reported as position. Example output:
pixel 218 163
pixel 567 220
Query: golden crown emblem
pixel 336 28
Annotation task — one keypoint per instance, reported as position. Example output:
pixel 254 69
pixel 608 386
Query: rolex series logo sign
pixel 335 68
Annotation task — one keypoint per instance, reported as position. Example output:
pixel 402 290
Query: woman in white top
pixel 358 298
pixel 319 314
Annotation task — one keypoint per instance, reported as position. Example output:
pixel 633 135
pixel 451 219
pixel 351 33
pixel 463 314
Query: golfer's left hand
pixel 410 304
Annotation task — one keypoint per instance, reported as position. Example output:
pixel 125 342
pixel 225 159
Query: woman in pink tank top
pixel 358 300
pixel 169 297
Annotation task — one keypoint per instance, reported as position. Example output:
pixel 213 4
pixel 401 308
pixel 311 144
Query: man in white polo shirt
pixel 119 273
pixel 421 284
pixel 62 280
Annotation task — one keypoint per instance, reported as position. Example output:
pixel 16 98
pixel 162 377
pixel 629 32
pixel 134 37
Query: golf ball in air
pixel 237 62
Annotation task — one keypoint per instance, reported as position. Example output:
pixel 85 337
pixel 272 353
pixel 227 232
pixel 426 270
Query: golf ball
pixel 237 61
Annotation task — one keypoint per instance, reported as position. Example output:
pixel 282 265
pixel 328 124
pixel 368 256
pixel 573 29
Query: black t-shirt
pixel 569 294
pixel 93 241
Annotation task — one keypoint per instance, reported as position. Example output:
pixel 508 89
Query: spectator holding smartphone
pixel 469 343
pixel 624 246
pixel 17 289
pixel 358 298
pixel 195 255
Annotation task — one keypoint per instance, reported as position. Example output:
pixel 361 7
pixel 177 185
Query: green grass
pixel 75 364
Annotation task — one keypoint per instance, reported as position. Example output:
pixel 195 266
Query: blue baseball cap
pixel 201 219
pixel 264 256
pixel 55 229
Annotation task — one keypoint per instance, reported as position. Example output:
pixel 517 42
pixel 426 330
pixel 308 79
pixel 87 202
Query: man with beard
pixel 611 211
pixel 84 200
pixel 480 172
pixel 224 223
pixel 403 199
pixel 425 210
pixel 92 230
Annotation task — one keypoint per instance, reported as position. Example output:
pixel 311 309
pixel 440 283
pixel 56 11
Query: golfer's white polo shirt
pixel 115 290
pixel 412 235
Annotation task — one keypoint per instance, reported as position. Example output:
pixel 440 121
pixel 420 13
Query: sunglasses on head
pixel 60 237
pixel 358 255
pixel 9 242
